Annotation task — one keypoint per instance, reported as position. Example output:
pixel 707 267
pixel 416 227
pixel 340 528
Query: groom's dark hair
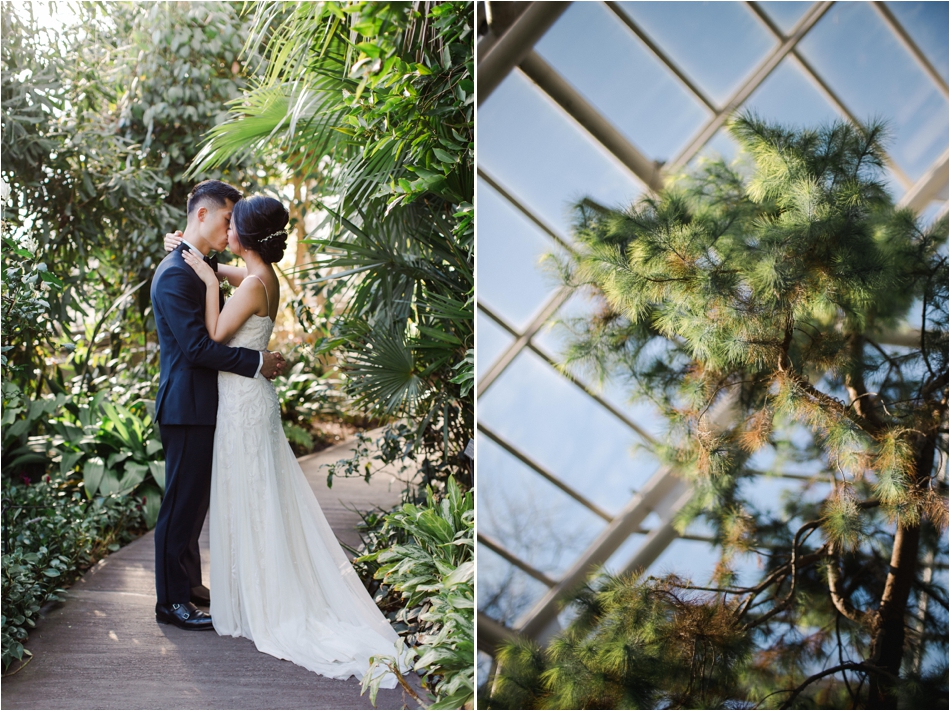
pixel 216 192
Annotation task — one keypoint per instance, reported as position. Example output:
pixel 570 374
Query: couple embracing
pixel 278 575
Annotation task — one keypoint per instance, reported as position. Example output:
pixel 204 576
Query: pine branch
pixel 854 382
pixel 839 598
pixel 856 666
pixel 794 569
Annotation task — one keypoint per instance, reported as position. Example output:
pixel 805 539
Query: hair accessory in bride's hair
pixel 272 235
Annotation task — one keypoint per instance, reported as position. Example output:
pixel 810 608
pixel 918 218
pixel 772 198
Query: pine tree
pixel 759 292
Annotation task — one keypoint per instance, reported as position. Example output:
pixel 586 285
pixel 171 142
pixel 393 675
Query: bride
pixel 278 575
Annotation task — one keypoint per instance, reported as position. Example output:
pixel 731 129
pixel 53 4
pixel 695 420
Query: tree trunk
pixel 887 626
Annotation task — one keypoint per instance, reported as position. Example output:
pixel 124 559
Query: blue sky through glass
pixel 926 23
pixel 513 287
pixel 492 342
pixel 615 71
pixel 534 519
pixel 543 156
pixel 497 574
pixel 789 96
pixel 565 431
pixel 717 44
pixel 876 77
pixel 785 14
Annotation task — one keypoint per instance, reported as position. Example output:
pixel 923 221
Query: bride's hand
pixel 172 240
pixel 202 269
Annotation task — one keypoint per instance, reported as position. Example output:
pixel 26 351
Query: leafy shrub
pixel 433 571
pixel 113 448
pixel 51 533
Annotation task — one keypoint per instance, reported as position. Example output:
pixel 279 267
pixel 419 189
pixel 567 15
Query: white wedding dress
pixel 278 575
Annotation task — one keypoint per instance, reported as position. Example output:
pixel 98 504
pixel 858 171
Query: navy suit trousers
pixel 189 450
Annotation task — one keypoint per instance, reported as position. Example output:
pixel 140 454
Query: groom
pixel 187 404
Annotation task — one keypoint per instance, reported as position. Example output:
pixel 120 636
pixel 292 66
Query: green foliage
pixel 51 534
pixel 100 120
pixel 26 288
pixel 750 306
pixel 633 644
pixel 372 104
pixel 431 566
pixel 114 449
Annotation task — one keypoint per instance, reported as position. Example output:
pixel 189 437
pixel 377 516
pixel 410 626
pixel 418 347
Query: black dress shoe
pixel 184 615
pixel 200 595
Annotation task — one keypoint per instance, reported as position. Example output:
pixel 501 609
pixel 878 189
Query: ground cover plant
pixel 53 532
pixel 423 555
pixel 752 303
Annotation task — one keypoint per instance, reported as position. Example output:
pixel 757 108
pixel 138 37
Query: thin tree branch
pixel 856 666
pixel 794 565
pixel 844 672
pixel 838 597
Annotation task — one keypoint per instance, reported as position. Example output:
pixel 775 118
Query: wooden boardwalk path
pixel 102 649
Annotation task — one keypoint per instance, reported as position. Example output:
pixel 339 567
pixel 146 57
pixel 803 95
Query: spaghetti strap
pixel 266 295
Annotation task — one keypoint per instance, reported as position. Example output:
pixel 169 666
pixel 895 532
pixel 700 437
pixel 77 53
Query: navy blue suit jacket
pixel 190 360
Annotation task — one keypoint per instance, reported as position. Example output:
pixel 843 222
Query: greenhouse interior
pixel 604 102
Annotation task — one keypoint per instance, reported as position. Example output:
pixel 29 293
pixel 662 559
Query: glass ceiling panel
pixel 539 153
pixel 622 79
pixel 866 65
pixel 785 14
pixel 615 563
pixel 513 287
pixel 530 516
pixel 926 23
pixel 561 428
pixel 504 591
pixel 717 44
pixel 789 95
pixel 493 340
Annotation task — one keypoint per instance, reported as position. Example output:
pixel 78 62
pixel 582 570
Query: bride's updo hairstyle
pixel 261 225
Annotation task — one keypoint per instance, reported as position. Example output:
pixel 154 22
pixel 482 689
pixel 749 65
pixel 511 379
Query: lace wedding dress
pixel 278 575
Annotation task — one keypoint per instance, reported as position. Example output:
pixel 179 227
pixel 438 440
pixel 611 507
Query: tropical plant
pixel 433 571
pixel 307 397
pixel 750 307
pixel 372 105
pixel 112 448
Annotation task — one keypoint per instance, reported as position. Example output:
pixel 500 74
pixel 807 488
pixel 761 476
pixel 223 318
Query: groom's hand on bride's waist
pixel 273 365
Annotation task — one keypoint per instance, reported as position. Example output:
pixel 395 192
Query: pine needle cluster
pixel 751 303
pixel 628 635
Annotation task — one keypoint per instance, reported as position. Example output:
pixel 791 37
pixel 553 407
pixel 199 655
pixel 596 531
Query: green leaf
pixel 158 473
pixel 134 475
pixel 109 484
pixel 92 474
pixel 153 503
pixel 444 156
